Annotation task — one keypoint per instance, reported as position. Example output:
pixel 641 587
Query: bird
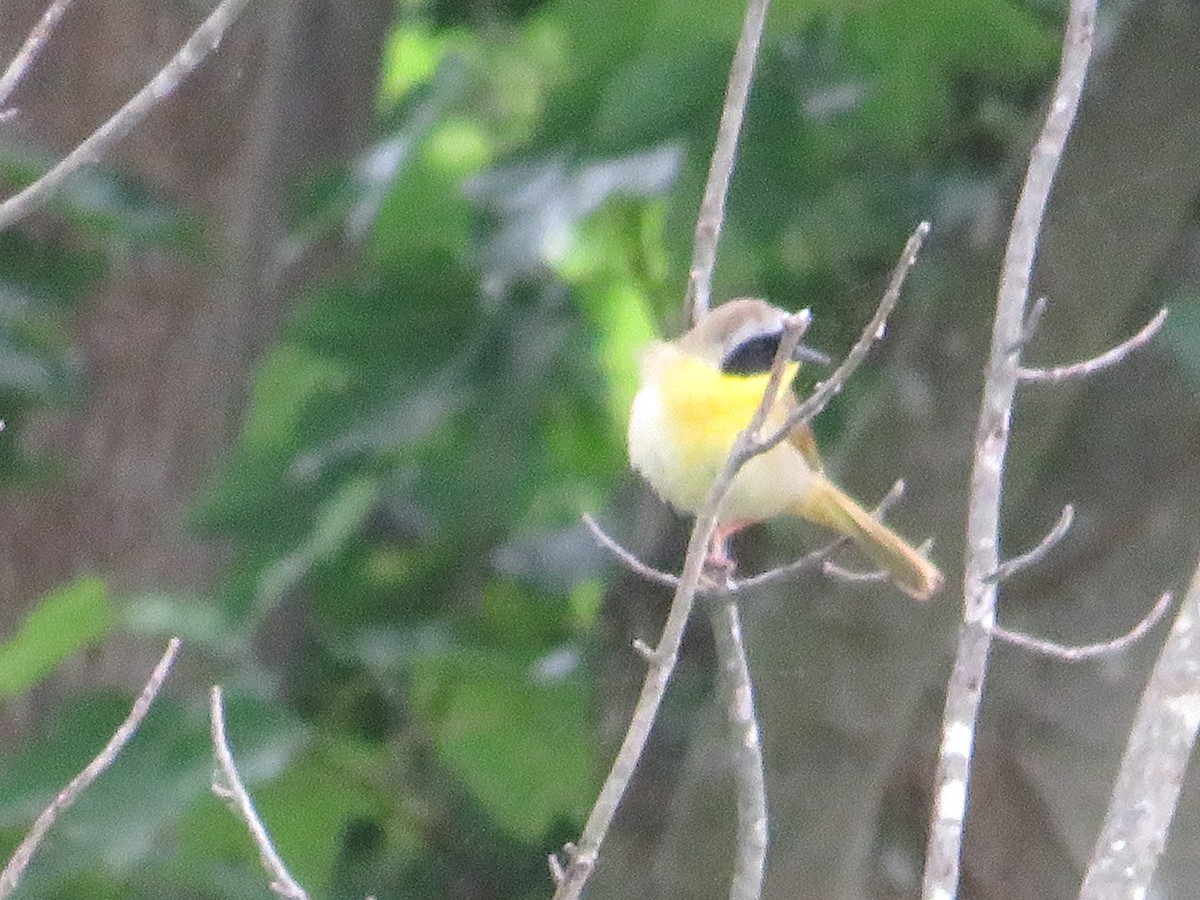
pixel 695 396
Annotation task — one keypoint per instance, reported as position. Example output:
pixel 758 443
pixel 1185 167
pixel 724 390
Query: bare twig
pixel 202 42
pixel 644 650
pixel 827 390
pixel 1069 653
pixel 34 42
pixel 853 576
pixel 965 690
pixel 19 861
pixel 816 558
pixel 557 872
pixel 1152 768
pixel 582 858
pixel 866 576
pixel 736 693
pixel 809 561
pixel 1096 363
pixel 806 563
pixel 720 169
pixel 227 785
pixel 631 562
pixel 1051 540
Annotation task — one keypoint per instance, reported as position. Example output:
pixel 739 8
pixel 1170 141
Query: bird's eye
pixel 752 356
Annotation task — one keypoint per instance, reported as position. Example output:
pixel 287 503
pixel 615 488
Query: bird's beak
pixel 804 353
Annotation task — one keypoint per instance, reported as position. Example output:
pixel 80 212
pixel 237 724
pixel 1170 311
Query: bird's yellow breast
pixel 684 422
pixel 706 409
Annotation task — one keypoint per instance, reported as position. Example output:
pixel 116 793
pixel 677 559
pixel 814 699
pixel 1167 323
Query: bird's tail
pixel 826 504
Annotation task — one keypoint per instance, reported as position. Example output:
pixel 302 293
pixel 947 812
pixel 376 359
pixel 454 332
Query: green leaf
pixel 518 743
pixel 72 617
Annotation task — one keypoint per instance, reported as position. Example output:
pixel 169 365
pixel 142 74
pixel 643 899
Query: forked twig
pixel 1077 653
pixel 1051 540
pixel 19 861
pixel 197 48
pixel 34 42
pixel 874 331
pixel 720 169
pixel 866 576
pixel 1105 360
pixel 227 785
pixel 1029 327
pixel 816 558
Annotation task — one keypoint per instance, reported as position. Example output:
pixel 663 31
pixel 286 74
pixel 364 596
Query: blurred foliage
pixel 404 629
pixel 69 619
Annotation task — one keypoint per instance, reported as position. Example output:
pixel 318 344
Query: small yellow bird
pixel 697 394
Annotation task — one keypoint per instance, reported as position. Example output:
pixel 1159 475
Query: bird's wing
pixel 801 437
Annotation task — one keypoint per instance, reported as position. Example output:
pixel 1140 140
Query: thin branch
pixel 965 690
pixel 204 40
pixel 581 859
pixel 720 169
pixel 1076 653
pixel 736 693
pixel 227 785
pixel 827 390
pixel 1153 765
pixel 1097 363
pixel 630 561
pixel 816 558
pixel 19 861
pixel 867 576
pixel 34 42
pixel 808 562
pixel 1051 540
pixel 853 576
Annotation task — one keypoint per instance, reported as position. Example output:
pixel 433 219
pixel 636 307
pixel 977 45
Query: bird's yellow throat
pixel 707 409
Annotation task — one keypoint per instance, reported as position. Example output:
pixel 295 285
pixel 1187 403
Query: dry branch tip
pixel 14 870
pixel 227 785
pixel 1070 653
pixel 1051 540
pixel 1099 363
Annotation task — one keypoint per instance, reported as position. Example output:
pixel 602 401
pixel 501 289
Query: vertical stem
pixel 720 169
pixel 736 694
pixel 965 690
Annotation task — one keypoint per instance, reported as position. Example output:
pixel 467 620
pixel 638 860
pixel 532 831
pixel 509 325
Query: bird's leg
pixel 719 559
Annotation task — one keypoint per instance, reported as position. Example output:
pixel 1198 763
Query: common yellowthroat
pixel 697 393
